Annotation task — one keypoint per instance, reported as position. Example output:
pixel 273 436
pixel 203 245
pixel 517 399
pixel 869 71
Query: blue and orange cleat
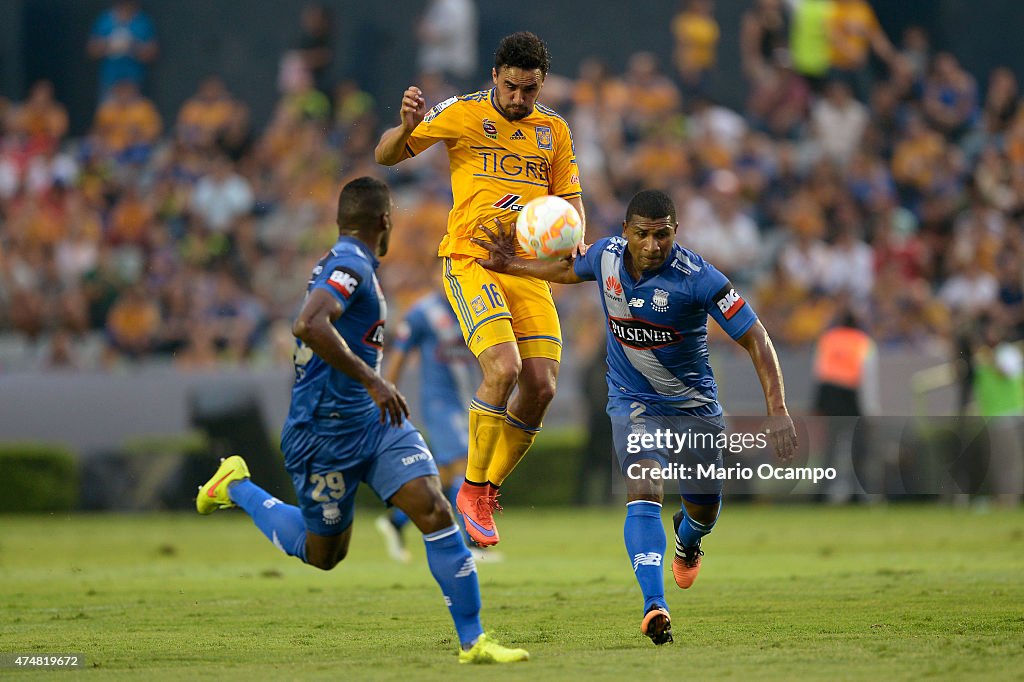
pixel 657 625
pixel 213 494
pixel 477 504
pixel 686 564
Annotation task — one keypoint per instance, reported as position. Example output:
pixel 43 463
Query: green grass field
pixel 785 593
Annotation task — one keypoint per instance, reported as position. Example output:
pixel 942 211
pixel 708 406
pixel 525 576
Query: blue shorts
pixel 694 441
pixel 326 469
pixel 447 426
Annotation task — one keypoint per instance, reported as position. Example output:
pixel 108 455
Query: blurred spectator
pixel 720 231
pixel 653 98
pixel 851 262
pixel 447 35
pixel 764 39
pixel 950 97
pixel 969 290
pixel 221 196
pixel 132 324
pixel 838 122
pixel 314 48
pixel 809 42
pixel 696 36
pixel 915 49
pixel 41 120
pixel 126 122
pixel 854 33
pixel 124 40
pixel 778 103
pixel 208 116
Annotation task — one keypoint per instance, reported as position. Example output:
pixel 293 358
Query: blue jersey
pixel 124 65
pixel 326 399
pixel 657 325
pixel 447 367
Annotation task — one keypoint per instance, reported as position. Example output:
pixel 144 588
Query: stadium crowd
pixel 898 191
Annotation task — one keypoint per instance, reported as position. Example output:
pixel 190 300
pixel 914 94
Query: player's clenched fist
pixel 414 107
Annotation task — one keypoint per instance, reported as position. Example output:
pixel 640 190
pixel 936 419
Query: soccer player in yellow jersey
pixel 504 149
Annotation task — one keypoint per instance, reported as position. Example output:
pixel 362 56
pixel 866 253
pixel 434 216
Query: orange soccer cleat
pixel 657 625
pixel 686 564
pixel 477 504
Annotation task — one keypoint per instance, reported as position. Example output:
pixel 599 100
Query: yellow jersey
pixel 497 165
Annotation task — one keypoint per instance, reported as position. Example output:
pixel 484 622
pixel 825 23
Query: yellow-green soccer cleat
pixel 213 494
pixel 486 650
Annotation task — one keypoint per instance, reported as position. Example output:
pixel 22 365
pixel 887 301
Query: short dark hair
pixel 651 203
pixel 362 202
pixel 522 50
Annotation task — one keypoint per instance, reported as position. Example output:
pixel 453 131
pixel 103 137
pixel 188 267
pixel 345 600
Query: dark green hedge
pixel 37 477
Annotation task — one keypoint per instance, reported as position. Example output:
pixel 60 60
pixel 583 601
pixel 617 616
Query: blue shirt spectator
pixel 124 40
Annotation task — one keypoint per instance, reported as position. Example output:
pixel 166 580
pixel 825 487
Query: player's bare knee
pixel 436 516
pixel 542 393
pixel 327 561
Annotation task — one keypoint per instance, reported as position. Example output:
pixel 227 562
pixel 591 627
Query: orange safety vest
pixel 841 355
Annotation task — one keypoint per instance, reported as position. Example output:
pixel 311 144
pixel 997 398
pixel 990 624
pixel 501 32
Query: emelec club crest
pixel 659 301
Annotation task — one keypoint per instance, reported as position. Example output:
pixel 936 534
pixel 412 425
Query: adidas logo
pixel 518 135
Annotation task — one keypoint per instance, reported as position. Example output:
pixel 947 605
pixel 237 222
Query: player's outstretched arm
pixel 502 249
pixel 315 329
pixel 391 148
pixel 779 426
pixel 581 248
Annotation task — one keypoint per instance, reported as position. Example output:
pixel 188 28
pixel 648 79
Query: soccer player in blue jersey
pixel 347 425
pixel 657 297
pixel 448 377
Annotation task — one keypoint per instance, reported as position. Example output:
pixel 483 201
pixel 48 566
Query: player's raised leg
pixel 695 519
pixel 524 416
pixel 283 524
pixel 477 499
pixel 453 568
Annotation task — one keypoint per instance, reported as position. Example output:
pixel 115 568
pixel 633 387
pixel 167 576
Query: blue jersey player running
pixel 347 425
pixel 657 297
pixel 448 378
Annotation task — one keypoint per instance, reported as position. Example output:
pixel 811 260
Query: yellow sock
pixel 486 423
pixel 516 441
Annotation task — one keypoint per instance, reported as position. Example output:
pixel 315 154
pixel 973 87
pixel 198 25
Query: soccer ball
pixel 549 228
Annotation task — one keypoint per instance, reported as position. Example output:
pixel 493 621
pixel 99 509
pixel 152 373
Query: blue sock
pixel 399 518
pixel 690 532
pixel 645 544
pixel 281 523
pixel 453 568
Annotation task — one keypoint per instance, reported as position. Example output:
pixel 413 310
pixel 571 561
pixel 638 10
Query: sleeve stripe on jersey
pixel 498 177
pixel 409 150
pixel 571 195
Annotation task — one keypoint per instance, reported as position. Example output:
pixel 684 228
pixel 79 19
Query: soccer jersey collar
pixel 495 105
pixel 358 243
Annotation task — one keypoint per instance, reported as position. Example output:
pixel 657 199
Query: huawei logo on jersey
pixel 613 286
pixel 640 334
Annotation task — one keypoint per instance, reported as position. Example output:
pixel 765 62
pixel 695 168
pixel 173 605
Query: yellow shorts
pixel 494 308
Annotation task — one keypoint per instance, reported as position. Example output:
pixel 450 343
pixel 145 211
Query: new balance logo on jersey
pixel 518 135
pixel 508 202
pixel 636 303
pixel 646 559
pixel 640 334
pixel 344 281
pixel 728 301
